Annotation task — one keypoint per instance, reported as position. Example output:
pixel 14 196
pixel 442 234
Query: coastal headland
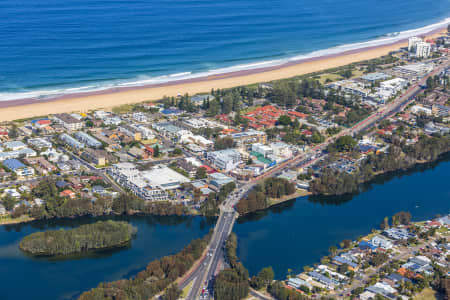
pixel 27 108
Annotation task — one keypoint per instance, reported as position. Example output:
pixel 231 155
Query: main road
pixel 202 276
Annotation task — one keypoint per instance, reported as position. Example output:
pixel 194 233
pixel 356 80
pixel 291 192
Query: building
pixel 199 99
pixel 87 139
pixel 68 121
pixel 371 78
pixel 164 178
pixel 167 129
pixel 18 167
pixel 25 152
pixel 14 145
pixel 440 110
pixel 217 180
pixel 412 43
pixel 249 137
pixel 263 149
pixel 131 132
pixel 39 143
pixel 131 178
pixel 97 157
pixel 70 141
pixel 281 149
pixel 226 160
pixel 394 85
pixel 423 49
pixel 381 242
pixel 412 70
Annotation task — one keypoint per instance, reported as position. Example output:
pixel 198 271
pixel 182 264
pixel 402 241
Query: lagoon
pixel 299 232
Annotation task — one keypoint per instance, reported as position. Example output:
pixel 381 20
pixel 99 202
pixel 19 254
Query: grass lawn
pixel 332 77
pixel 426 294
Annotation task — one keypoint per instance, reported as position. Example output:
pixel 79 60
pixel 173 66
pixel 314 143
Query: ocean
pixel 49 48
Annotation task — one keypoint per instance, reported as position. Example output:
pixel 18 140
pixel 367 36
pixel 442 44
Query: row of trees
pixel 258 197
pixel 399 157
pixel 157 276
pixel 62 207
pixel 89 237
pixel 210 207
pixel 232 283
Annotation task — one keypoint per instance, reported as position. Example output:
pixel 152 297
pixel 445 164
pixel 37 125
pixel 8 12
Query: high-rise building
pixel 423 49
pixel 412 43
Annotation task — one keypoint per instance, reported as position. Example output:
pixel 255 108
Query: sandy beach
pixel 27 108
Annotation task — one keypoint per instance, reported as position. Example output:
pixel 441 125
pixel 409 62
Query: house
pixel 131 132
pixel 61 184
pixel 98 189
pixel 381 242
pixel 18 167
pixel 14 145
pixel 2 210
pixel 12 192
pixel 67 193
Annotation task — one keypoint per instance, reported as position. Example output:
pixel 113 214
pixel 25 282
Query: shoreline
pixel 82 102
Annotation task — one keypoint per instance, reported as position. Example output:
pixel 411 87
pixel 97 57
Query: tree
pixel 200 173
pixel 172 293
pixel 156 152
pixel 9 202
pixel 177 151
pixel 284 120
pixel 385 224
pixel 224 143
pixel 13 132
pixel 343 143
pixel 332 250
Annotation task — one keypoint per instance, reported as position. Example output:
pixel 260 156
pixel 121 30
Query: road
pixel 203 275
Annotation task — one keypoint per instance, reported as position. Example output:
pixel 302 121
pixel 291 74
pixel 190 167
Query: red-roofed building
pixel 67 193
pixel 208 169
pixel 298 114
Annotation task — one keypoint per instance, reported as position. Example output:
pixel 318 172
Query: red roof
pixel 298 114
pixel 41 122
pixel 209 170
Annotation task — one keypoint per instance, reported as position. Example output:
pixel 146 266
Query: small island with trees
pixel 98 236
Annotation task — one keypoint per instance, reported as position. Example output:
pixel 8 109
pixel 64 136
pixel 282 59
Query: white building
pixel 39 143
pixel 149 185
pixel 381 242
pixel 281 149
pixel 71 141
pixel 69 122
pixel 14 145
pixel 263 149
pixel 423 49
pixel 416 109
pixel 140 117
pixel 131 178
pixel 412 43
pixel 226 160
pixel 89 140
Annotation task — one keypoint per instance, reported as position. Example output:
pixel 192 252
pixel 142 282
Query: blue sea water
pixel 53 47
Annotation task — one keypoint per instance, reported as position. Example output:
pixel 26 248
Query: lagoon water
pixel 288 236
pixel 300 232
pixel 24 277
pixel 53 47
